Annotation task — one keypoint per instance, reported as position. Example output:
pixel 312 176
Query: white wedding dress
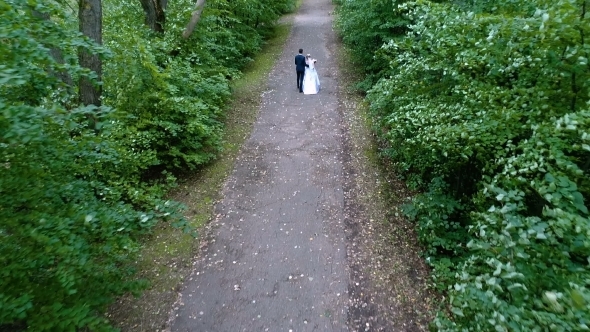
pixel 311 81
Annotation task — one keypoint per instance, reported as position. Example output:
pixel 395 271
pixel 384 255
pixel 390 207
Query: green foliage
pixel 530 268
pixel 66 234
pixel 365 26
pixel 26 39
pixel 172 113
pixel 75 199
pixel 485 109
pixel 173 91
pixel 437 215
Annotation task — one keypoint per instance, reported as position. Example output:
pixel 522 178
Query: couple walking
pixel 308 81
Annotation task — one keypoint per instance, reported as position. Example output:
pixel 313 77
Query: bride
pixel 311 81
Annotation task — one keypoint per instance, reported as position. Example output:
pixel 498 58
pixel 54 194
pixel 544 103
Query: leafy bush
pixel 66 235
pixel 437 216
pixel 173 113
pixel 364 27
pixel 529 267
pixel 485 109
pixel 74 199
pixel 171 91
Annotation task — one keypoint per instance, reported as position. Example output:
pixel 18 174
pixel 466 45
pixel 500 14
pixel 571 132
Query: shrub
pixel 529 265
pixel 437 216
pixel 75 199
pixel 66 234
pixel 484 108
pixel 364 27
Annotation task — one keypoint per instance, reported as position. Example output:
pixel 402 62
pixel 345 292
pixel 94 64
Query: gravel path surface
pixel 276 259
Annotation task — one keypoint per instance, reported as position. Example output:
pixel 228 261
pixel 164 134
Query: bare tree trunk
pixel 90 17
pixel 155 15
pixel 196 16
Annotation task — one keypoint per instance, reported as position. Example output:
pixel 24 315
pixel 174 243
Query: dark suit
pixel 300 68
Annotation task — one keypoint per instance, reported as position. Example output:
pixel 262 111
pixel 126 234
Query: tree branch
pixel 195 17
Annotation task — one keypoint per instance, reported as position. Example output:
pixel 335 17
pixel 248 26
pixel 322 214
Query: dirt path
pixel 277 257
pixel 298 243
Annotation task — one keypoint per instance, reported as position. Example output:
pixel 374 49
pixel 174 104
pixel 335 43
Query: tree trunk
pixel 90 17
pixel 196 16
pixel 155 15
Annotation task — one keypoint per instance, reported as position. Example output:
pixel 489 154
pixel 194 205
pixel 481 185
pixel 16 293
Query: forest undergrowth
pixel 104 107
pixel 483 108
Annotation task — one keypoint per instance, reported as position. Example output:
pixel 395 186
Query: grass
pixel 167 254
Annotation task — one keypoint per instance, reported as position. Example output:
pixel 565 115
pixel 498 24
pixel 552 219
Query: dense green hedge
pixel 173 91
pixel 485 108
pixel 75 199
pixel 365 26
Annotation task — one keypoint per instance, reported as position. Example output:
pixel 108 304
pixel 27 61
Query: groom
pixel 300 68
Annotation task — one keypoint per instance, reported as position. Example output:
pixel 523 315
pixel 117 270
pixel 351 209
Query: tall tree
pixel 155 15
pixel 195 17
pixel 90 17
